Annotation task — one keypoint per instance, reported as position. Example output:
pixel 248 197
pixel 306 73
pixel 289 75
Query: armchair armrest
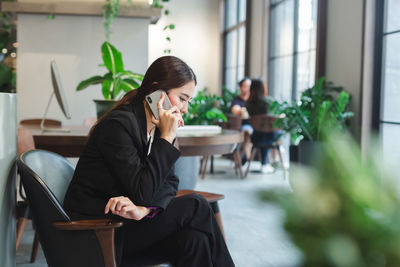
pixel 98 224
pixel 104 229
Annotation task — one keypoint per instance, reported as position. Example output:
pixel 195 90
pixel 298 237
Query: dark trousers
pixel 187 233
pixel 264 139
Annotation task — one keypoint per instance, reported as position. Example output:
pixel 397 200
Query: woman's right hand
pixel 169 120
pixel 124 207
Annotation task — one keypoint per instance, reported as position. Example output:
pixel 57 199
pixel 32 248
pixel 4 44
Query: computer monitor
pixel 58 91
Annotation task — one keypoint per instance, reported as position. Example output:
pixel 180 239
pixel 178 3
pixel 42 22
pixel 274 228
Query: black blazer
pixel 115 162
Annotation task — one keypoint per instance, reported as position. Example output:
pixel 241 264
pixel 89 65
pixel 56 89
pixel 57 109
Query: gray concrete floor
pixel 253 229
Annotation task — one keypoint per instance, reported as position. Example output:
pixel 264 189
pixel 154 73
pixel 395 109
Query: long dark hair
pixel 257 90
pixel 164 73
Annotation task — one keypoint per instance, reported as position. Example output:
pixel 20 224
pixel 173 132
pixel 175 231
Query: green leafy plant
pixel 204 109
pixel 322 106
pixel 226 100
pixel 7 52
pixel 345 211
pixel 169 26
pixel 110 12
pixel 117 79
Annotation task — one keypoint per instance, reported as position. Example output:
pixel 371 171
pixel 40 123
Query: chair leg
pixel 238 163
pixel 253 153
pixel 281 161
pixel 21 223
pixel 35 247
pixel 204 167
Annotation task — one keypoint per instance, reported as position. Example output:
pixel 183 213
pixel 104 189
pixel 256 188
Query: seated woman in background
pixel 258 104
pixel 126 171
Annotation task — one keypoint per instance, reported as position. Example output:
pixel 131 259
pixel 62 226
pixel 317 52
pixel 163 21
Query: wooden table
pixel 71 144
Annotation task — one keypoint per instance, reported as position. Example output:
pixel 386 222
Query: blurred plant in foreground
pixel 345 212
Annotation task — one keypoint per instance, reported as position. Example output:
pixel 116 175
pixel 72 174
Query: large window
pixel 292 47
pixel 234 42
pixel 389 79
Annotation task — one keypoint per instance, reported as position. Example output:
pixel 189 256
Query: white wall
pixel 74 42
pixel 344 51
pixel 196 38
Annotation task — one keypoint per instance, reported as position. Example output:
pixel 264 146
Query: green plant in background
pixel 345 212
pixel 169 26
pixel 110 12
pixel 117 80
pixel 7 52
pixel 226 100
pixel 204 109
pixel 322 106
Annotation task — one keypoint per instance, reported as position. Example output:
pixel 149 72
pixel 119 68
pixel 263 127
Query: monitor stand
pixel 51 129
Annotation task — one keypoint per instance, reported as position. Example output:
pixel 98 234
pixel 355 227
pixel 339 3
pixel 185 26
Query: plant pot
pixel 102 106
pixel 306 153
pixel 187 169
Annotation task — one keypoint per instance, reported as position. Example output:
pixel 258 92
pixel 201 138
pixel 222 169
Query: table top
pixel 71 144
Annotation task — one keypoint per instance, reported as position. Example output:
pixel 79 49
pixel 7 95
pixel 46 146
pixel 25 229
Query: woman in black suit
pixel 126 170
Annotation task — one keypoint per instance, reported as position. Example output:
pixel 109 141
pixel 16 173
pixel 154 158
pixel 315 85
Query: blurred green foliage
pixel 7 38
pixel 322 106
pixel 345 211
pixel 206 109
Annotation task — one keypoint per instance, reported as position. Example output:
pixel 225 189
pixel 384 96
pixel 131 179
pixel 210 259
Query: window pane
pixel 391 79
pixel 240 72
pixel 281 36
pixel 230 13
pixel 242 45
pixel 307 29
pixel 231 49
pixel 392 15
pixel 230 79
pixel 390 144
pixel 305 72
pixel 242 10
pixel 280 77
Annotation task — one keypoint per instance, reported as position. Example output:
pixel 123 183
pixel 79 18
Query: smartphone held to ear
pixel 153 98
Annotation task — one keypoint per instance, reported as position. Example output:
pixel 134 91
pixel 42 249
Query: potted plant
pixel 116 81
pixel 322 108
pixel 343 212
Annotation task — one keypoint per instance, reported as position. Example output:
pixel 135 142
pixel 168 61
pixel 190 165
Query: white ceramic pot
pixel 187 169
pixel 8 153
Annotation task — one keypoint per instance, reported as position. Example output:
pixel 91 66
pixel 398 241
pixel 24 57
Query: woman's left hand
pixel 124 207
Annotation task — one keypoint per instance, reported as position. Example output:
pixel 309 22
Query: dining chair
pixel 264 123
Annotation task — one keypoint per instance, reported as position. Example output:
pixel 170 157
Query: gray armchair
pixel 45 177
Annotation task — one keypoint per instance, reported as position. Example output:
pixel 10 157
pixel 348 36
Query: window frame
pixel 247 26
pixel 320 50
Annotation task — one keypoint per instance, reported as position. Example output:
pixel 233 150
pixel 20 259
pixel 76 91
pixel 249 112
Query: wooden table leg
pixel 215 207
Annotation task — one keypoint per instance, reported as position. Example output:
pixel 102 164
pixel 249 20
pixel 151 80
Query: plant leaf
pixel 106 85
pixel 128 85
pixel 112 58
pixel 132 75
pixel 91 81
